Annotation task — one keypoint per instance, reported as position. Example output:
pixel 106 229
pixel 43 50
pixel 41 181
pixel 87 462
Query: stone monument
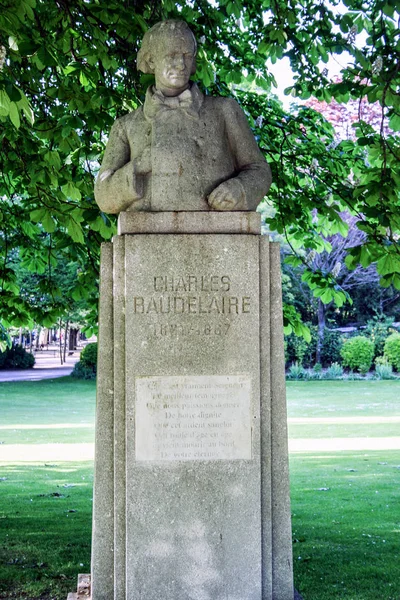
pixel 191 497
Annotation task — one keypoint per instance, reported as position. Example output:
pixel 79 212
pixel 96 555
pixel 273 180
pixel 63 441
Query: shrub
pixel 378 329
pixel 296 349
pixel 330 350
pixel 335 371
pixel 81 371
pixel 332 344
pixel 383 370
pixel 86 368
pixel 16 357
pixel 392 350
pixel 89 355
pixel 358 353
pixel 296 371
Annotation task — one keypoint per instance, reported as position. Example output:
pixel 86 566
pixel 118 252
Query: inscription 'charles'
pixel 192 283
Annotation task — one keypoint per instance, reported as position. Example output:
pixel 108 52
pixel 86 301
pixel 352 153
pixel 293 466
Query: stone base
pixel 83 590
pixel 191 496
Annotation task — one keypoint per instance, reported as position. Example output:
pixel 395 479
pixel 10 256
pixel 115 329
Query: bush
pixel 335 371
pixel 89 355
pixel 16 357
pixel 378 329
pixel 296 349
pixel 383 370
pixel 81 371
pixel 331 347
pixel 358 353
pixel 297 372
pixel 86 368
pixel 392 350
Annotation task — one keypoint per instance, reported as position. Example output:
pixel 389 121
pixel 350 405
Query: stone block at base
pixel 83 590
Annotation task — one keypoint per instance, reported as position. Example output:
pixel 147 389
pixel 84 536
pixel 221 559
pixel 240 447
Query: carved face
pixel 173 64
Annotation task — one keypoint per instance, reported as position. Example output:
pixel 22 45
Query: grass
pixel 346 520
pixel 346 525
pixel 45 525
pixel 45 507
pixel 345 505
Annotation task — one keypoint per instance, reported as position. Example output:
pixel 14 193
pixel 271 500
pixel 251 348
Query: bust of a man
pixel 180 151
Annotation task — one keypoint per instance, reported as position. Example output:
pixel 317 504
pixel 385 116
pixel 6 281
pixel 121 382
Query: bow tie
pixel 157 104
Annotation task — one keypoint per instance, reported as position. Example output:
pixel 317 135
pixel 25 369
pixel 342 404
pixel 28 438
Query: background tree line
pixel 68 69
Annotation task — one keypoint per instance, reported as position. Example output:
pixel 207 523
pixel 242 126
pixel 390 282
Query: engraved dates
pixel 197 329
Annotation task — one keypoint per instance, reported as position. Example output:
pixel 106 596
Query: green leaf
pixel 24 105
pixel 4 103
pixel 75 231
pixel 83 79
pixel 29 229
pixel 14 115
pixel 35 264
pixel 38 214
pixel 394 122
pixel 12 42
pixel 390 263
pixel 53 158
pixel 71 191
pixel 48 223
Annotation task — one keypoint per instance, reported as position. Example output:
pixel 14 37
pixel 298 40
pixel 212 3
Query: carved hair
pixel 170 27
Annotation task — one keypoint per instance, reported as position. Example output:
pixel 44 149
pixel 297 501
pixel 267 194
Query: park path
pixel 47 366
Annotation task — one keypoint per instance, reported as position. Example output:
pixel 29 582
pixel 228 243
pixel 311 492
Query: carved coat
pixel 170 154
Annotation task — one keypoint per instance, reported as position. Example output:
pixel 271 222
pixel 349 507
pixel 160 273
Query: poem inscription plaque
pixel 193 418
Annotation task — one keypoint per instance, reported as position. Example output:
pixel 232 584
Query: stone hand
pixel 229 195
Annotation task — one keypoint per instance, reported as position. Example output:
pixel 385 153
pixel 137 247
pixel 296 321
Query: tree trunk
pixel 38 330
pixel 321 329
pixel 65 338
pixel 72 338
pixel 61 353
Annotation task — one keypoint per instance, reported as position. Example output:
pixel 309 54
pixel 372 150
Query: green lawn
pixel 345 505
pixel 45 507
pixel 346 516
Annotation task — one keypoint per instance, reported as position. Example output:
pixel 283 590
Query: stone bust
pixel 181 150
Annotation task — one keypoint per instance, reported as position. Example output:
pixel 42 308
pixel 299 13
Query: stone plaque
pixel 193 418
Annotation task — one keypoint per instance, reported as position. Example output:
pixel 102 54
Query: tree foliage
pixel 67 70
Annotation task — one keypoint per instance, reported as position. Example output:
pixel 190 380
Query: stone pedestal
pixel 191 475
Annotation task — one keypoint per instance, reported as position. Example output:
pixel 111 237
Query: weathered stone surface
pixel 83 586
pixel 282 561
pixel 192 301
pixel 183 222
pixel 200 502
pixel 119 417
pixel 103 504
pixel 265 421
pixel 84 591
pixel 181 151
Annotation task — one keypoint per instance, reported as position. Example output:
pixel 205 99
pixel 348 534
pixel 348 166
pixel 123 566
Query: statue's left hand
pixel 229 195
